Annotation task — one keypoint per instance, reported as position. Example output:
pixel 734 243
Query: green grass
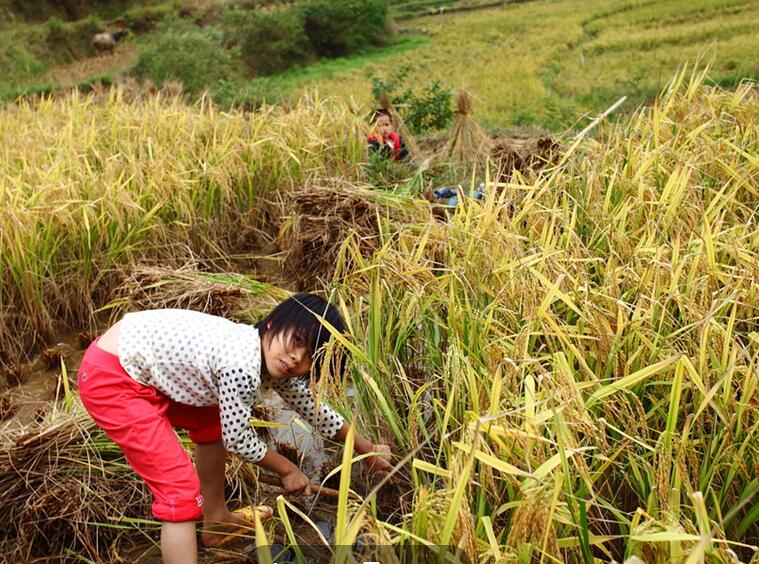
pixel 297 78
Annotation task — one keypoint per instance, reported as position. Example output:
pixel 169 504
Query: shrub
pixel 167 58
pixel 339 27
pixel 427 110
pixel 234 22
pixel 143 19
pixel 274 40
pixel 263 90
pixel 224 93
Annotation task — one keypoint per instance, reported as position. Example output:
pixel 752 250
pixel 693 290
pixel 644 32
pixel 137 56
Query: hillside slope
pixel 549 62
pixel 542 64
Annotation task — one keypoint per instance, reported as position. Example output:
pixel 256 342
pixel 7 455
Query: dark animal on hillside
pixel 103 42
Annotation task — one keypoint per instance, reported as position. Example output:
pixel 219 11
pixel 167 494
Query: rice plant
pixel 573 363
pixel 89 185
pixel 567 369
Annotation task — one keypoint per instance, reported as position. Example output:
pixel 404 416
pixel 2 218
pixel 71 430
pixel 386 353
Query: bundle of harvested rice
pixel 508 156
pixel 322 217
pixel 526 156
pixel 546 151
pixel 399 125
pixel 66 489
pixel 224 294
pixel 324 213
pixel 468 142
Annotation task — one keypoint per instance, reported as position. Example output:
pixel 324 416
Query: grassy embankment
pixel 571 366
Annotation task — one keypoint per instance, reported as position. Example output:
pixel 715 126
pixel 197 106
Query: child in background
pixel 156 370
pixel 383 140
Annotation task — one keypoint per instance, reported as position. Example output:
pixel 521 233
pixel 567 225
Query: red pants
pixel 141 420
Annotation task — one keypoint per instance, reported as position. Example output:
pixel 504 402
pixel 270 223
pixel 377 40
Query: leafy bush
pixel 427 110
pixel 339 27
pixel 233 23
pixel 263 90
pixel 167 58
pixel 224 92
pixel 275 40
pixel 143 19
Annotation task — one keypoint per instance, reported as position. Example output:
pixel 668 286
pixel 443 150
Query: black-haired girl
pixel 159 369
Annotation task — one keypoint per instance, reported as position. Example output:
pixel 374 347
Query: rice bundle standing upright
pixel 400 126
pixel 468 142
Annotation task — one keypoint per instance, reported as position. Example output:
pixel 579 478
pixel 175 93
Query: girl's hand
pixel 296 482
pixel 380 462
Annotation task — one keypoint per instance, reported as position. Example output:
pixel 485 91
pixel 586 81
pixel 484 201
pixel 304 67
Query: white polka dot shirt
pixel 200 360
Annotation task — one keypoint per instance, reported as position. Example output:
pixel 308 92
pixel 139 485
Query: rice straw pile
pixel 328 211
pixel 224 294
pixel 526 157
pixel 468 142
pixel 66 489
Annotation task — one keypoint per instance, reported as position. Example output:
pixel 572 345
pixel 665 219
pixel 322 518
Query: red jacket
pixel 392 143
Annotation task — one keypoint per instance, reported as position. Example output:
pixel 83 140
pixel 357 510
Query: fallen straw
pixel 599 118
pixel 316 489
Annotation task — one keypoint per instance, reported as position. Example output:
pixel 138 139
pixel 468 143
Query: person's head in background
pixel 383 123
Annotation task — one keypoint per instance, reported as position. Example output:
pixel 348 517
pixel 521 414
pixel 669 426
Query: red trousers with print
pixel 141 420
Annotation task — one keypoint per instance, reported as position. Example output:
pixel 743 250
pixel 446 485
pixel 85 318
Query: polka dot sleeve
pixel 297 395
pixel 237 390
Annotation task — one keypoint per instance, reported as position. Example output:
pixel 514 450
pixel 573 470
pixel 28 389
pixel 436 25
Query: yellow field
pixel 89 184
pixel 568 369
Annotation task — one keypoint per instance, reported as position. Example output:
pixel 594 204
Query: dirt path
pixel 445 10
pixel 77 72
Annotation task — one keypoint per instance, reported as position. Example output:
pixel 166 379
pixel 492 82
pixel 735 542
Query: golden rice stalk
pixel 531 523
pixel 134 178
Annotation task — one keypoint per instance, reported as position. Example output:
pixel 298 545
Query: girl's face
pixel 383 126
pixel 285 357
